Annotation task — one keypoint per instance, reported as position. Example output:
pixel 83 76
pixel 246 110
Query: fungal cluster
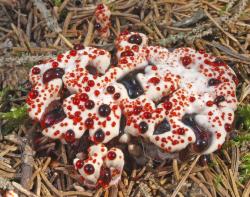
pixel 175 99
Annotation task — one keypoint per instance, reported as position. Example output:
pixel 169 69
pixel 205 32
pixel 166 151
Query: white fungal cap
pixel 98 159
pixel 91 167
pixel 41 96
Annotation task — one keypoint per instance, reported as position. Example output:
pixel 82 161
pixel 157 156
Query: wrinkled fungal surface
pixel 176 99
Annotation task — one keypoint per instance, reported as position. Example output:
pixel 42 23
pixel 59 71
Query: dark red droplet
pixel 204 160
pixel 209 103
pixel 111 155
pixel 76 101
pixel 89 169
pixel 192 99
pixel 137 110
pixel 228 127
pixel 79 164
pixel 33 94
pixel 89 104
pixel 36 70
pixel 97 26
pixel 213 82
pixel 135 48
pixel 127 53
pixel 99 136
pixel 52 73
pixel 69 136
pixel 52 117
pixel 91 83
pixel 41 62
pixel 135 39
pixel 203 140
pixel 219 99
pixel 111 89
pixel 89 122
pixel 125 32
pixel 84 97
pixel 147 115
pixel 55 64
pixel 105 177
pixel 78 47
pixel 100 6
pixel 236 80
pixel 117 96
pixel 143 127
pixel 96 92
pixel 104 110
pixel 202 51
pixel 180 131
pixel 167 105
pixel 186 60
pixel 73 52
pixel 154 80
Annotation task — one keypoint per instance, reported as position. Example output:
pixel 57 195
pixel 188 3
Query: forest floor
pixel 34 30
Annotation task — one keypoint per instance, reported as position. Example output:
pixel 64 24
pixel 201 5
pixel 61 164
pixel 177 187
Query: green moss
pixel 245 168
pixel 57 2
pixel 243 117
pixel 218 181
pixel 15 113
pixel 13 119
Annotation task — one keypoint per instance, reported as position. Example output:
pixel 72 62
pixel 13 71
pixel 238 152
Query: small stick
pixel 29 25
pixel 236 192
pixel 9 175
pixel 201 185
pixel 246 192
pixel 65 2
pixel 6 167
pixel 176 170
pixel 158 31
pixel 89 35
pixel 38 186
pixel 118 25
pixel 45 191
pixel 131 184
pixel 185 177
pixel 18 34
pixel 156 10
pixel 67 22
pixel 58 193
pixel 76 193
pixel 67 42
pixel 113 191
pixel 106 194
pixel 98 192
pixel 7 150
pixel 32 178
pixel 23 190
pixel 47 162
pixel 7 2
pixel 141 172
